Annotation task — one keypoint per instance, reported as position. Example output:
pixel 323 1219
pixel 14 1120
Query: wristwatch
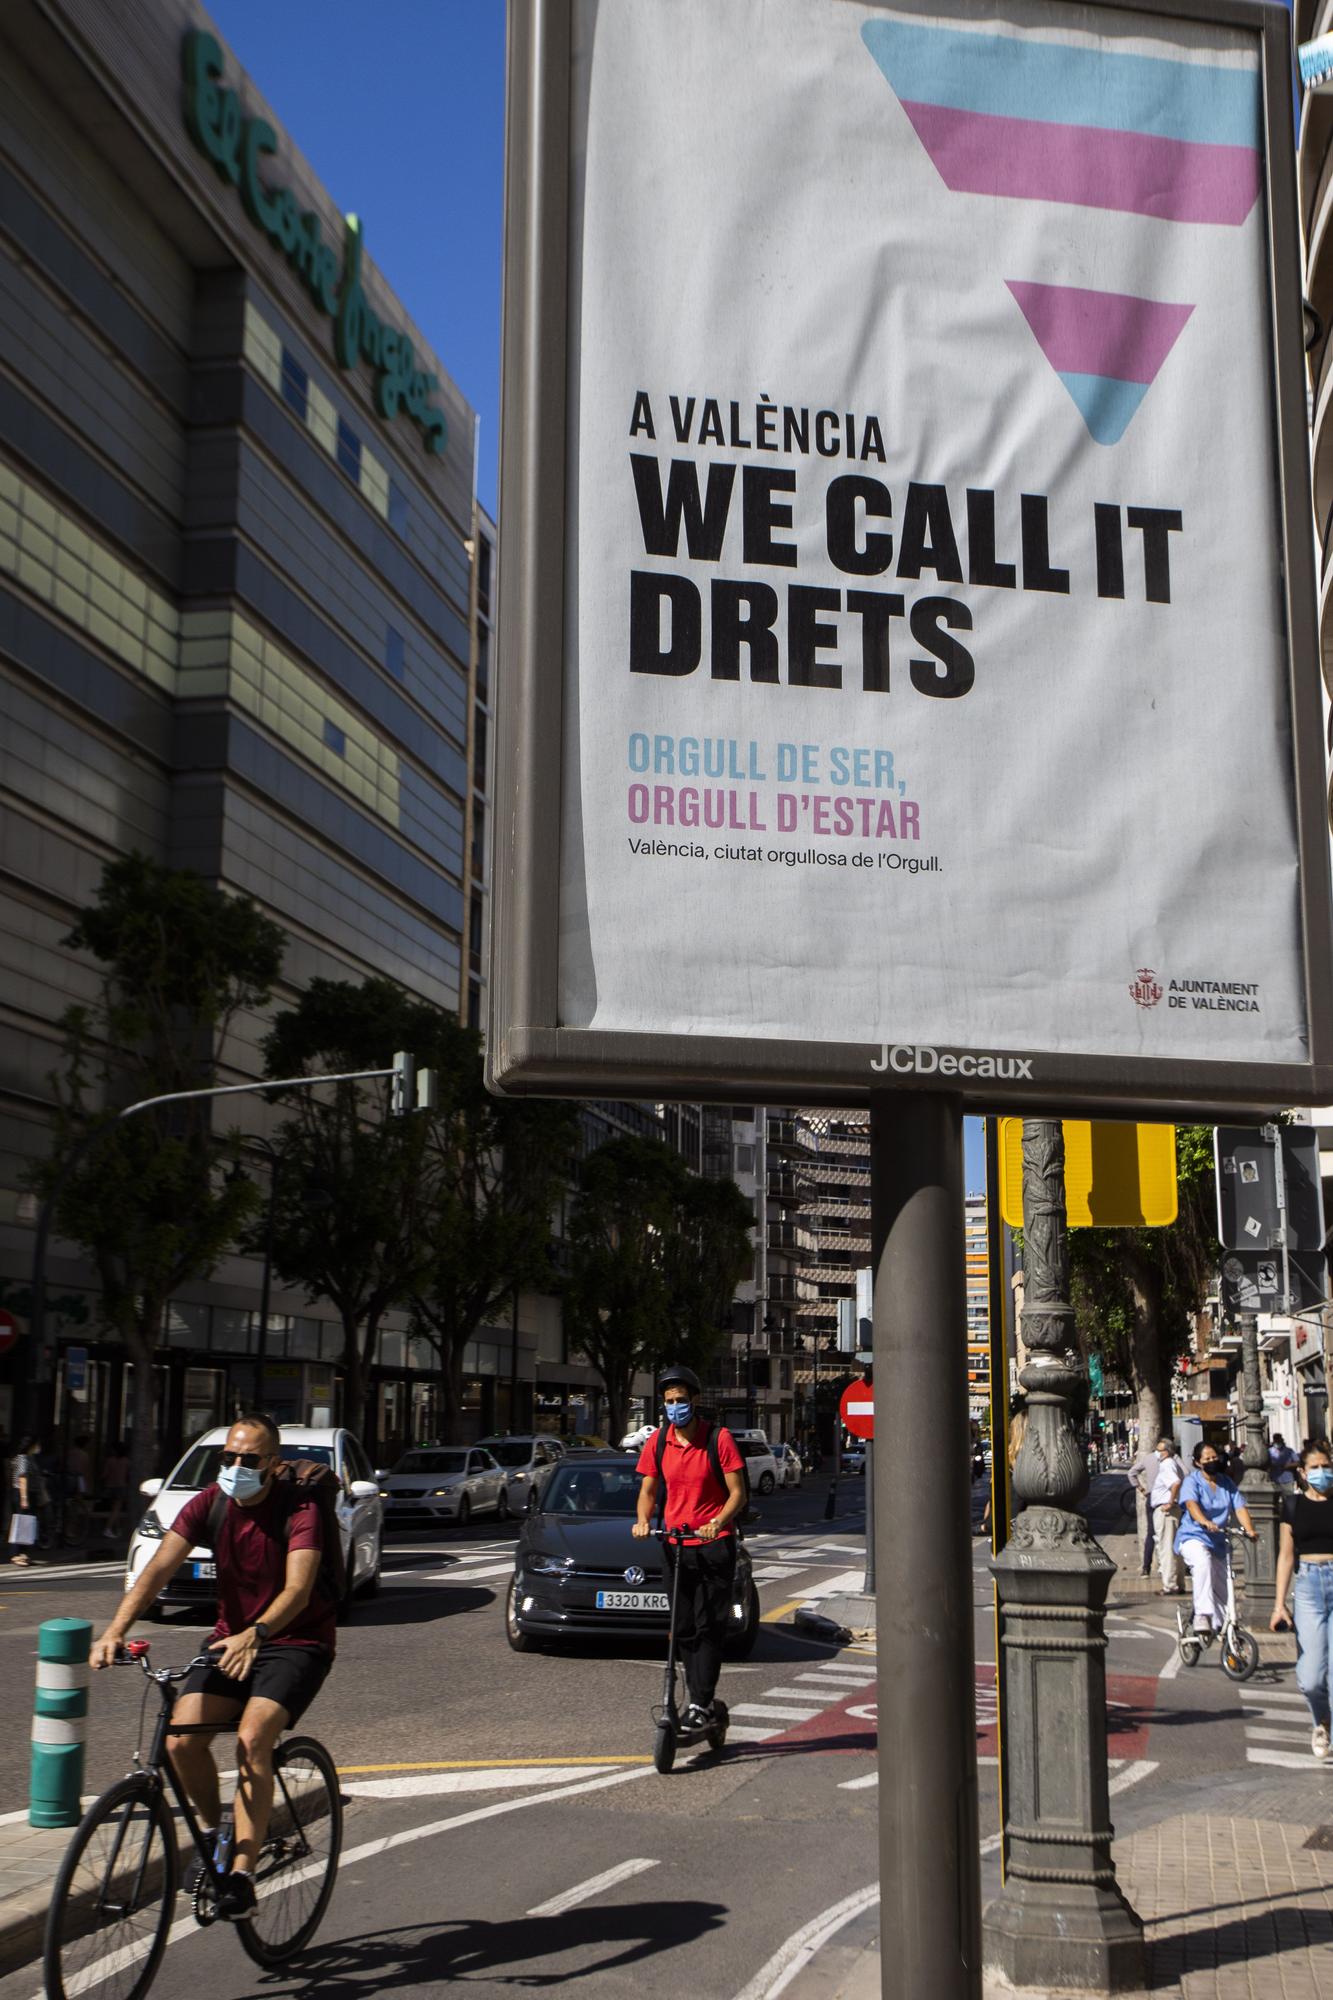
pixel 260 1630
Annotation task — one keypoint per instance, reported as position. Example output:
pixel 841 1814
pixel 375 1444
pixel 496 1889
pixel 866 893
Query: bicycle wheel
pixel 1240 1654
pixel 110 1910
pixel 294 1879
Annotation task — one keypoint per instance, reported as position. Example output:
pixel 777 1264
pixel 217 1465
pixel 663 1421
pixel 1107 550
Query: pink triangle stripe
pixel 1100 333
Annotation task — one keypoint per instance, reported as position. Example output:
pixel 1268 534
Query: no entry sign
pixel 9 1330
pixel 858 1409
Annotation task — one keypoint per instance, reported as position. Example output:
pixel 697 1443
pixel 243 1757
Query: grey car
pixel 446 1483
pixel 527 1462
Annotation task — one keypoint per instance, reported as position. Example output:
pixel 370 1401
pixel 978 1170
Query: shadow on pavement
pixel 394 1961
pixel 419 1607
pixel 1265 1934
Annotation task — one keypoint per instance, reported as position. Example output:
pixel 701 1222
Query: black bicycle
pixel 111 1908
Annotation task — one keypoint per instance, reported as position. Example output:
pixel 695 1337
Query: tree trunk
pixel 354 1379
pixel 451 1374
pixel 1146 1351
pixel 618 1381
pixel 140 1338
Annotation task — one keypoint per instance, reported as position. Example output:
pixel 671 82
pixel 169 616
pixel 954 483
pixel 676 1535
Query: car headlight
pixel 518 1475
pixel 151 1528
pixel 385 1493
pixel 441 1492
pixel 544 1565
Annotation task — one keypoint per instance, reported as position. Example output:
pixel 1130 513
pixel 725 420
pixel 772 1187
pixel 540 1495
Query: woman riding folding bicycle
pixel 1208 1503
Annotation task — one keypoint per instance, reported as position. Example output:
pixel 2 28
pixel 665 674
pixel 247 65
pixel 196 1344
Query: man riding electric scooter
pixel 703 1474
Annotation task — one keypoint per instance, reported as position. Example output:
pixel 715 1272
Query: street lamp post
pixel 1258 1492
pixel 1060 1919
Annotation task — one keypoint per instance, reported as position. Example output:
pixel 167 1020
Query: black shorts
pixel 289 1675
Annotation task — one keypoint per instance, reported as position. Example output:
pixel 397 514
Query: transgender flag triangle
pixel 1106 347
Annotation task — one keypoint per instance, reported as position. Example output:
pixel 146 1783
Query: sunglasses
pixel 253 1459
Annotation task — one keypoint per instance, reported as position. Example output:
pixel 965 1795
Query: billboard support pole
pixel 1060 1920
pixel 929 1890
pixel 1257 1490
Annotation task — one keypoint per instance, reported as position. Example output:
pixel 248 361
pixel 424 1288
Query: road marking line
pixel 439 1784
pixel 1275 1694
pixel 186 1927
pixel 1132 1774
pixel 791 1957
pixel 474 1575
pixel 849 1667
pixel 859 1784
pixel 845 1683
pixel 1288 1760
pixel 488 1764
pixel 1257 1734
pixel 761 1712
pixel 1172 1667
pixel 834 1693
pixel 584 1891
pixel 772 1617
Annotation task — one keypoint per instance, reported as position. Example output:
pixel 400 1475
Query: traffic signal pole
pixel 929 1865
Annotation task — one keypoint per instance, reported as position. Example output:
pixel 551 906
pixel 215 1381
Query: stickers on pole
pixel 1117 1176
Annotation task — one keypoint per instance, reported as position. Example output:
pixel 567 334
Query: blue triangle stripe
pixel 1107 407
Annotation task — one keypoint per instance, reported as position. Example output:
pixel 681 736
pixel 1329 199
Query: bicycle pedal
pixel 204 1905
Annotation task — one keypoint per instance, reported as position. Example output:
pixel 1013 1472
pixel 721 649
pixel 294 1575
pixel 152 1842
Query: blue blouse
pixel 1218 1501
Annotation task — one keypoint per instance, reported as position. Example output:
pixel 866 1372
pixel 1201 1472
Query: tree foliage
pixel 655 1256
pixel 1136 1290
pixel 179 959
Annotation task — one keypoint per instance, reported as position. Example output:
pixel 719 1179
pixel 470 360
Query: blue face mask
pixel 679 1413
pixel 240 1482
pixel 1321 1478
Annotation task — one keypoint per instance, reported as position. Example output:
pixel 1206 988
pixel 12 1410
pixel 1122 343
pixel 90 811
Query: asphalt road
pixel 505 1825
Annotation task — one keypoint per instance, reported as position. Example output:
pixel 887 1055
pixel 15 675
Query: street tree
pixel 179 959
pixel 349 1194
pixel 493 1171
pixel 654 1257
pixel 1135 1291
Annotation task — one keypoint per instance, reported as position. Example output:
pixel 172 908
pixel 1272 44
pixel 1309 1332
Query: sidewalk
pixel 1237 1903
pixel 29 1857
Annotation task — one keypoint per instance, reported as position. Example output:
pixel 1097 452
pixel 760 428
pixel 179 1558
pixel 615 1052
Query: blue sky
pixel 402 118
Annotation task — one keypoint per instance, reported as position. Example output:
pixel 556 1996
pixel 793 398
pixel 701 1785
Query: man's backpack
pixel 715 1460
pixel 302 1479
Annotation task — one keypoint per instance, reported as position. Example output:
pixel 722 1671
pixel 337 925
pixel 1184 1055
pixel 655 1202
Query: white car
pixel 527 1462
pixel 635 1440
pixel 360 1510
pixel 443 1483
pixel 760 1463
pixel 789 1464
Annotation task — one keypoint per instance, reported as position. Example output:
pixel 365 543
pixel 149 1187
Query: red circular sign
pixel 858 1409
pixel 9 1330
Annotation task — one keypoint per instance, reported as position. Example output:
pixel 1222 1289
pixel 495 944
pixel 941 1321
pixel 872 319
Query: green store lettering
pixel 235 144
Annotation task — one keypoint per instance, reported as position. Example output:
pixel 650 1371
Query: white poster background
pixel 754 217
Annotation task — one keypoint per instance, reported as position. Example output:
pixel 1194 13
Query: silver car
pixel 443 1484
pixel 527 1462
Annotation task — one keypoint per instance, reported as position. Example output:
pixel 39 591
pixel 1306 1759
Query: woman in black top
pixel 1307 1538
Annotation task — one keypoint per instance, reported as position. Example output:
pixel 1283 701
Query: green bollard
pixel 59 1722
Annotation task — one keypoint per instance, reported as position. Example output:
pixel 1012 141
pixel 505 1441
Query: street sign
pixel 76 1370
pixel 797 566
pixel 1252 1281
pixel 9 1330
pixel 1117 1175
pixel 1250 1203
pixel 857 1409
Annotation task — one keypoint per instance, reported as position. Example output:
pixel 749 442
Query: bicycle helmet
pixel 680 1377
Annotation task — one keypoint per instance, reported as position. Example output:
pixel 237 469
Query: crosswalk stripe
pixel 1261 1735
pixel 765 1712
pixel 1288 1760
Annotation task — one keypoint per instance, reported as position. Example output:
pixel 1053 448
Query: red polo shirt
pixel 694 1494
pixel 251 1559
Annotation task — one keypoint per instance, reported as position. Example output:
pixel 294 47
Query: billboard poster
pixel 931 657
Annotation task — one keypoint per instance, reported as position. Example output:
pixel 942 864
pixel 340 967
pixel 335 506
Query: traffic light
pixel 403 1087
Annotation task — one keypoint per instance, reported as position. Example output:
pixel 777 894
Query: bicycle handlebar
pixel 135 1654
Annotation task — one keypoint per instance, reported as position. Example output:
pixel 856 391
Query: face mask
pixel 240 1482
pixel 680 1413
pixel 1321 1478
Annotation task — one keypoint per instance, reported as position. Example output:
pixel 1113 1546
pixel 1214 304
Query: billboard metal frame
pixel 529 1051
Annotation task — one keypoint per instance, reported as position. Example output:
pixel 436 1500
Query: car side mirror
pixel 150 1488
pixel 381 1472
pixel 364 1489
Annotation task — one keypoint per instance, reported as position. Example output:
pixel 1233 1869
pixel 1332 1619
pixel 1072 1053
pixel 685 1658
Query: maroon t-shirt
pixel 251 1558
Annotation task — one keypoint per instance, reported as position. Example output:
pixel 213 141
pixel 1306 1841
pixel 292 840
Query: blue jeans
pixel 1312 1608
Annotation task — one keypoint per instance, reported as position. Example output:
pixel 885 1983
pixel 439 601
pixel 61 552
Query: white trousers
pixel 1208 1574
pixel 1168 1562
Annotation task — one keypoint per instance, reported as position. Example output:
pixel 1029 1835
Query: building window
pixel 397 508
pixel 349 451
pixel 483 573
pixel 474 1006
pixel 478 839
pixel 474 933
pixel 483 662
pixel 335 738
pixel 395 652
pixel 295 384
pixel 479 750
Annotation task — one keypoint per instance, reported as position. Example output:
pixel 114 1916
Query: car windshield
pixel 509 1451
pixel 593 1489
pixel 199 1467
pixel 432 1461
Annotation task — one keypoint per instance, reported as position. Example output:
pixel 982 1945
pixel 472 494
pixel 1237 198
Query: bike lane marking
pixel 583 1892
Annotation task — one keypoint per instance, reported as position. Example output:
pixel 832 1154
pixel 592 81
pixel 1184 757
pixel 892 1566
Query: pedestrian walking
pixel 1018 1430
pixel 1142 1473
pixel 1282 1463
pixel 1209 1501
pixel 1305 1537
pixel 1164 1499
pixel 27 1497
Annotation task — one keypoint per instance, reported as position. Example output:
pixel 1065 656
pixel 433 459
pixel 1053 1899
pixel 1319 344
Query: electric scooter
pixel 672 1733
pixel 1240 1649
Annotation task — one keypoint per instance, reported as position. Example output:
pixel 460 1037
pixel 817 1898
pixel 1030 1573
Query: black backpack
pixel 298 1480
pixel 715 1460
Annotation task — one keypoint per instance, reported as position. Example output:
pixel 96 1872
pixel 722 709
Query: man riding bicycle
pixel 274 1638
